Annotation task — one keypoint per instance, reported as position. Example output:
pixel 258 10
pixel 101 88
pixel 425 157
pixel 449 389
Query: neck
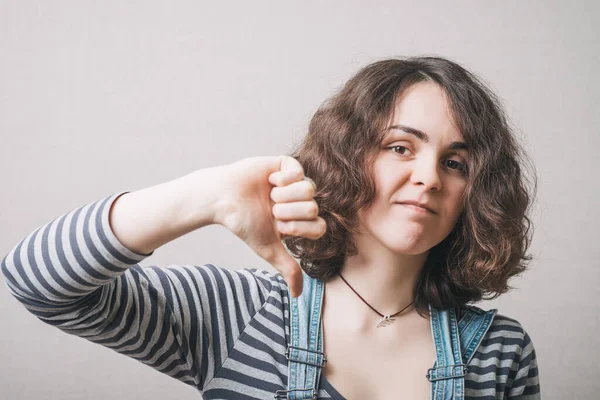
pixel 384 279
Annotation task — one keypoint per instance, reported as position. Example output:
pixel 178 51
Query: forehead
pixel 424 106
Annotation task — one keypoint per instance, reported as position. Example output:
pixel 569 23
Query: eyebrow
pixel 423 136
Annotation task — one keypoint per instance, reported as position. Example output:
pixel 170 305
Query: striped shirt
pixel 222 331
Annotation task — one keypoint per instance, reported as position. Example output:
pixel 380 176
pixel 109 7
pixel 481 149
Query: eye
pixel 403 149
pixel 458 166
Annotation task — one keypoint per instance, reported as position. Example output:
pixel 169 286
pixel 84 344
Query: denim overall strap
pixel 447 375
pixel 448 380
pixel 305 348
pixel 472 328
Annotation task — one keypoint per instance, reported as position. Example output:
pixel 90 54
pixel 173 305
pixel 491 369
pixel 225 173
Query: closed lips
pixel 414 203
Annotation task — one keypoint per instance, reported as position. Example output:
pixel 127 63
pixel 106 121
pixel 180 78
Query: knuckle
pixel 274 194
pixel 314 234
pixel 291 228
pixel 293 176
pixel 276 209
pixel 314 209
pixel 309 189
pixel 322 226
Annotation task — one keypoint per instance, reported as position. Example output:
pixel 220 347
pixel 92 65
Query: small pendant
pixel 386 320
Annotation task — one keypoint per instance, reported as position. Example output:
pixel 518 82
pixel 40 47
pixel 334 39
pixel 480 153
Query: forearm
pixel 148 218
pixel 91 246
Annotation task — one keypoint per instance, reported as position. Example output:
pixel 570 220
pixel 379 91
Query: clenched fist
pixel 269 199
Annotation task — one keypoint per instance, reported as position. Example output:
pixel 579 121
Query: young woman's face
pixel 421 160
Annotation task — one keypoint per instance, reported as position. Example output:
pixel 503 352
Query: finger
pixel 301 210
pixel 289 268
pixel 284 178
pixel 290 170
pixel 290 164
pixel 301 190
pixel 314 185
pixel 308 229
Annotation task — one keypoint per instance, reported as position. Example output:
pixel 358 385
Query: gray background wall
pixel 99 97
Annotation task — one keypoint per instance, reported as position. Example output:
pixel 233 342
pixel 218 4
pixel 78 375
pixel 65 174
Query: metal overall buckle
pixel 282 394
pixel 451 375
pixel 323 356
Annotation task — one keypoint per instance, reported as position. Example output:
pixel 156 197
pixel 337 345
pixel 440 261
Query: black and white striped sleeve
pixel 73 273
pixel 504 365
pixel 526 383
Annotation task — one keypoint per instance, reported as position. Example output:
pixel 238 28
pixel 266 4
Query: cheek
pixel 455 204
pixel 453 199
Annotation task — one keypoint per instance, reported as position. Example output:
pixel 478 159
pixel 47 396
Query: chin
pixel 408 246
pixel 410 251
pixel 406 237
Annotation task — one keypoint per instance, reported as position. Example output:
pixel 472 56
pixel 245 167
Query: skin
pixel 363 361
pixel 392 249
pixel 393 246
pixel 396 239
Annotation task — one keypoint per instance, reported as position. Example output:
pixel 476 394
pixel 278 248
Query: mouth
pixel 416 207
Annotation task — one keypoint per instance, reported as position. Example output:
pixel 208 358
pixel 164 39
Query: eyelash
pixel 463 169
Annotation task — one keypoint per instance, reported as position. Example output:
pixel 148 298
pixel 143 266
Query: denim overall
pixel 455 344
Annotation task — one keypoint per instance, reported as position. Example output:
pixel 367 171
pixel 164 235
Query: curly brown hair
pixel 489 243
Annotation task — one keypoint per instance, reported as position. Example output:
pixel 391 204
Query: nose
pixel 425 173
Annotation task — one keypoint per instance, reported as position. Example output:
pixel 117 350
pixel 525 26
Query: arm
pixel 76 274
pixel 146 219
pixel 79 272
pixel 241 197
pixel 526 383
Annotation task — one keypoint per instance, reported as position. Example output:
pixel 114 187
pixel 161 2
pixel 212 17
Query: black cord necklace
pixel 386 319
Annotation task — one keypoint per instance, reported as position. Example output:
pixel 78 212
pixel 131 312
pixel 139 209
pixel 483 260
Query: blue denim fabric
pixel 455 344
pixel 305 350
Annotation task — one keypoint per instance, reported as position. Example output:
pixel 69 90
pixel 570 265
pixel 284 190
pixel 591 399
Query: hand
pixel 269 199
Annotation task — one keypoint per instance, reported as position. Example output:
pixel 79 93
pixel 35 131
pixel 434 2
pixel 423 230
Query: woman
pixel 417 207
